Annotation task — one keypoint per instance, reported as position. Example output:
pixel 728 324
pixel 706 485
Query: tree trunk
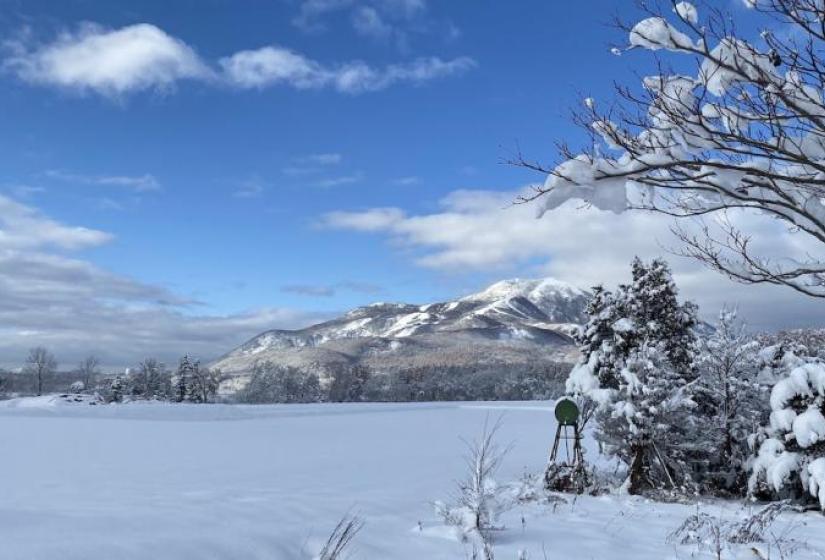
pixel 638 470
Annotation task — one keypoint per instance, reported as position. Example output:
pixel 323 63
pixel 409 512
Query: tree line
pixel 725 413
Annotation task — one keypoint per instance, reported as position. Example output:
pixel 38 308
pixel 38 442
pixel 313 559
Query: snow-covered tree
pixel 150 380
pixel 182 379
pixel 791 451
pixel 479 500
pixel 744 134
pixel 348 383
pixel 637 364
pixel 203 383
pixel 116 389
pixel 271 383
pixel 730 397
pixel 645 424
pixel 596 339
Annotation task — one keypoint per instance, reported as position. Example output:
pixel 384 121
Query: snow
pixel 222 482
pixel 809 427
pixel 802 381
pixel 656 33
pixel 816 480
pixel 535 290
pixel 624 325
pixel 687 12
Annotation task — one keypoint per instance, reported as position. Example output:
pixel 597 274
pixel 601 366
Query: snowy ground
pixel 161 481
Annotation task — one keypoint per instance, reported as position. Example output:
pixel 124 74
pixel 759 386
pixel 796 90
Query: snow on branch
pixel 744 133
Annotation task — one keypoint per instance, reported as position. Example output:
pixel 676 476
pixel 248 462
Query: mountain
pixel 512 321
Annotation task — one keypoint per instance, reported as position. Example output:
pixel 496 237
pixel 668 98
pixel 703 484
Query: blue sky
pixel 280 161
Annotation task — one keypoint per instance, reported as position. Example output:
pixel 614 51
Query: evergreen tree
pixel 182 379
pixel 790 461
pixel 637 365
pixel 595 339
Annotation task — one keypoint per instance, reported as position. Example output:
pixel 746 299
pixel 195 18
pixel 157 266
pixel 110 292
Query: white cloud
pixel 483 232
pixel 320 290
pixel 367 21
pixel 144 57
pixel 75 307
pixel 270 66
pixel 109 62
pixel 273 65
pixel 311 10
pixel 137 183
pixel 367 14
pixel 373 220
pixel 338 181
pixel 22 227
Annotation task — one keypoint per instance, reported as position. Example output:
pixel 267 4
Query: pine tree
pixel 652 306
pixel 595 339
pixel 637 364
pixel 642 427
pixel 183 379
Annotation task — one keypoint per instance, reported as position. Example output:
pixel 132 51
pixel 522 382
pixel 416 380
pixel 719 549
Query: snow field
pixel 164 481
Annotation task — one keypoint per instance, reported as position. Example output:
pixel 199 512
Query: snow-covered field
pixel 163 481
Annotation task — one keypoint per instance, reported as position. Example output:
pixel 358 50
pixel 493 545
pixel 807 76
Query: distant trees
pixel 348 383
pixel 150 380
pixel 41 364
pixel 195 383
pixel 88 371
pixel 271 383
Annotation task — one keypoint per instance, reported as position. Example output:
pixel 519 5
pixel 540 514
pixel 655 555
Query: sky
pixel 179 176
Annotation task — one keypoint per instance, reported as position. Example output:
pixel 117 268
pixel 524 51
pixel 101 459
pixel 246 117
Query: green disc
pixel 567 413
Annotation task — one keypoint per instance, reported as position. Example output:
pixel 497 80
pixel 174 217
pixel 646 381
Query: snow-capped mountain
pixel 509 318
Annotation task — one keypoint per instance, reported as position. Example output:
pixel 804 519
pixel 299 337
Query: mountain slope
pixel 512 321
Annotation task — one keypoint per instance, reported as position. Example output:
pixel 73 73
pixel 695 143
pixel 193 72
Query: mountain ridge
pixel 510 320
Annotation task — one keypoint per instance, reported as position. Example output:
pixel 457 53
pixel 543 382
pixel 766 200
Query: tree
pixel 729 395
pixel 182 379
pixel 203 384
pixel 116 389
pixel 745 134
pixel 643 426
pixel 637 366
pixel 348 383
pixel 41 364
pixel 88 371
pixel 271 383
pixel 150 379
pixel 791 450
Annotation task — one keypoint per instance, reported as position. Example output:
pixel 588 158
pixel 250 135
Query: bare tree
pixel 746 133
pixel 88 370
pixel 478 500
pixel 41 364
